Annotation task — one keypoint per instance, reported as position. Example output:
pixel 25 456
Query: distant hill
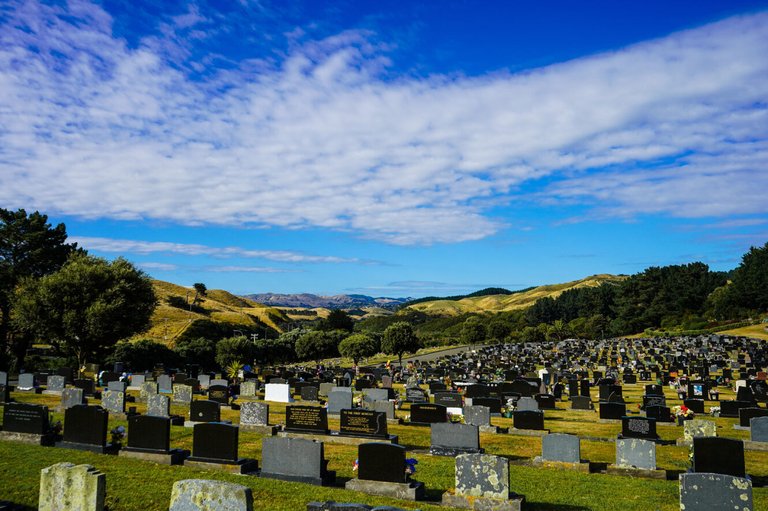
pixel 310 301
pixel 481 302
pixel 218 310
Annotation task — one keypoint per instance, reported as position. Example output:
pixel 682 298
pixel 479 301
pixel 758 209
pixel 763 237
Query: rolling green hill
pixel 507 302
pixel 174 315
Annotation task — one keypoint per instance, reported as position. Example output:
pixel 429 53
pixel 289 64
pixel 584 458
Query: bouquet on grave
pixel 356 465
pixel 683 411
pixel 456 418
pixel 715 411
pixel 118 434
pixel 410 466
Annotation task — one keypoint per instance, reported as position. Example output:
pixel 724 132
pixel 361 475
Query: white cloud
pixel 158 266
pixel 151 247
pixel 93 128
pixel 245 269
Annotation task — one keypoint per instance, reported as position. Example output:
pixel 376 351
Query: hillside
pixel 507 302
pixel 174 315
pixel 310 301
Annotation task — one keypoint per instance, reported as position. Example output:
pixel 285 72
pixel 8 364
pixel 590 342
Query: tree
pixel 318 345
pixel 398 339
pixel 29 247
pixel 86 306
pixel 200 291
pixel 143 355
pixel 337 320
pixel 235 350
pixel 499 330
pixel 473 331
pixel 200 351
pixel 358 346
pixel 557 331
pixel 749 290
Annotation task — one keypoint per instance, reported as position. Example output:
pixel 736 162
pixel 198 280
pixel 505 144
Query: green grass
pixel 133 484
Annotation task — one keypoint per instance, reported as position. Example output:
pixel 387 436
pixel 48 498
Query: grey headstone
pixel 698 427
pixel 758 427
pixel 450 435
pixel 561 447
pixel 113 401
pixel 341 389
pixel 248 389
pixel 55 383
pixel 482 475
pixel 388 407
pixel 205 495
pixel 526 404
pixel 339 400
pixel 137 380
pixel 477 415
pixel 117 386
pixel 26 381
pixel 65 486
pixel 71 397
pixel 165 384
pixel 182 393
pixel 254 413
pixel 205 381
pixel 715 492
pixel 3 378
pixel 219 381
pixel 158 405
pixel 148 388
pixel 386 381
pixel 635 453
pixel 371 395
pixel 294 457
pixel 325 389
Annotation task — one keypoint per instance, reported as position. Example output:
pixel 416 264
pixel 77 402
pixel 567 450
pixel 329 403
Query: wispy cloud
pixel 151 247
pixel 246 269
pixel 94 127
pixel 158 266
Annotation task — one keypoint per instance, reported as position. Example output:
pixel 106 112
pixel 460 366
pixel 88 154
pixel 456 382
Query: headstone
pixel 338 400
pixel 55 383
pixel 613 411
pixel 204 411
pixel 415 395
pixel 698 428
pixel 26 381
pixel 205 381
pixel 295 459
pixel 220 381
pixel 85 424
pixel 148 388
pixel 117 386
pixel 69 487
pixel 659 413
pixel 253 413
pixel 758 428
pixel 525 404
pixel 25 418
pixel 71 397
pixel 638 427
pixel 482 475
pixel 219 394
pixel 581 403
pixel 715 492
pixel 695 405
pixel 325 389
pixel 387 407
pixel 182 394
pixel 546 401
pixel 5 393
pixel 215 442
pixel 359 422
pixel 493 403
pixel 386 381
pixel 371 395
pixel 561 448
pixel 654 401
pixel 306 419
pixel 427 413
pixel 278 392
pixel 731 408
pixel 381 462
pixel 3 378
pixel 150 434
pixel 165 384
pixel 113 401
pixel 309 393
pixel 746 414
pixel 205 495
pixel 450 439
pixel 528 419
pixel 477 415
pixel 248 389
pixel 719 456
pixel 158 405
pixel 635 453
pixel 137 380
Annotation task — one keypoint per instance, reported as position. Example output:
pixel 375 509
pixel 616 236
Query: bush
pixel 235 350
pixel 142 355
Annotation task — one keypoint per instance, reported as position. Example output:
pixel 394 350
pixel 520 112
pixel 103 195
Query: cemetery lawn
pixel 134 484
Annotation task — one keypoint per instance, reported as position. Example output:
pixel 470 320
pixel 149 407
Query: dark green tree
pixel 473 331
pixel 318 345
pixel 398 339
pixel 337 320
pixel 499 330
pixel 200 291
pixel 749 290
pixel 86 306
pixel 358 347
pixel 29 248
pixel 199 350
pixel 235 350
pixel 143 355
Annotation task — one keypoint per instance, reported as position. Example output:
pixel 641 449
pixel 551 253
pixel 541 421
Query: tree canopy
pixel 358 346
pixel 399 338
pixel 317 345
pixel 86 306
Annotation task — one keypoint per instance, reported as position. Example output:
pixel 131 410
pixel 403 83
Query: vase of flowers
pixel 683 413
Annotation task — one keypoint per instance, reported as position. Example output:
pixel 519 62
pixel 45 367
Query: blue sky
pixel 389 148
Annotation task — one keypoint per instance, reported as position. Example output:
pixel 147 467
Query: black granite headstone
pixel 204 411
pixel 613 411
pixel 427 413
pixel 493 403
pixel 25 418
pixel 660 413
pixel 359 422
pixel 215 442
pixel 448 399
pixel 745 414
pixel 219 394
pixel 639 427
pixel 695 405
pixel 528 419
pixel 718 456
pixel 84 424
pixel 150 434
pixel 306 419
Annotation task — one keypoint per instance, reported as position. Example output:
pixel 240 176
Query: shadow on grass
pixel 10 506
pixel 543 506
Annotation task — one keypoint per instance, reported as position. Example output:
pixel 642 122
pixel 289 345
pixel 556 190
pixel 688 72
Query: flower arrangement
pixel 683 411
pixel 118 434
pixel 456 418
pixel 715 411
pixel 410 466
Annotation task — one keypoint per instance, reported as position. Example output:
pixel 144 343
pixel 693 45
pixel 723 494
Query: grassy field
pixel 501 303
pixel 133 484
pixel 759 331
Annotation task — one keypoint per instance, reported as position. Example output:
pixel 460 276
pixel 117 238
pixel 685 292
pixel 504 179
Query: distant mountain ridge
pixel 310 301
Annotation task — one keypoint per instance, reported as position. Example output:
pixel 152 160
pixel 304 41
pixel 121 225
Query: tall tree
pixel 337 320
pixel 749 290
pixel 358 346
pixel 29 247
pixel 86 306
pixel 398 339
pixel 317 345
pixel 473 331
pixel 200 291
